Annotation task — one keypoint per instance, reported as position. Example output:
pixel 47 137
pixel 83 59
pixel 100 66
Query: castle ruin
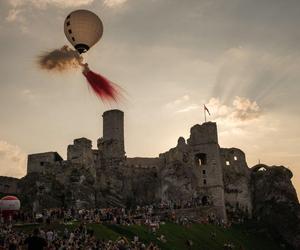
pixel 197 176
pixel 197 170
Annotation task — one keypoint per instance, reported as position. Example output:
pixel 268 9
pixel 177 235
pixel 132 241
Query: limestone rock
pixel 275 201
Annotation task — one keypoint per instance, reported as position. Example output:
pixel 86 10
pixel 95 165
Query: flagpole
pixel 204 112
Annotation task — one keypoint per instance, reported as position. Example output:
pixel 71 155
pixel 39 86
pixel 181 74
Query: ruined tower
pixel 81 152
pixel 206 151
pixel 111 144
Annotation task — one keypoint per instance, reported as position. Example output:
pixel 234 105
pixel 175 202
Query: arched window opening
pixel 262 169
pixel 201 159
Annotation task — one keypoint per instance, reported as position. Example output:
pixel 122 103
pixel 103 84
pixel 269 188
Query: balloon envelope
pixel 83 29
pixel 10 203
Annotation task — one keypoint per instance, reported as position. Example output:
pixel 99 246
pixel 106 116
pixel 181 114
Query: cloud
pixel 44 3
pixel 19 6
pixel 188 108
pixel 114 3
pixel 255 73
pixel 178 101
pixel 12 160
pixel 14 15
pixel 242 109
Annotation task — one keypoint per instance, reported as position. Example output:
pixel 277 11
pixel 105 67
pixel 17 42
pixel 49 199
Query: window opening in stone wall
pixel 204 181
pixel 235 158
pixel 227 163
pixel 203 171
pixel 262 169
pixel 204 200
pixel 42 163
pixel 201 159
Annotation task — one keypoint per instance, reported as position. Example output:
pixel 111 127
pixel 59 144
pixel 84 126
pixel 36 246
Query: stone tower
pixel 111 144
pixel 81 152
pixel 206 152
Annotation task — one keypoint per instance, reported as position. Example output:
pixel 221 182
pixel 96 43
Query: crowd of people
pixel 82 237
pixel 79 238
pixel 147 215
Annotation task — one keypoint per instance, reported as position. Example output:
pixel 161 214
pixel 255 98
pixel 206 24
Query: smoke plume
pixel 60 60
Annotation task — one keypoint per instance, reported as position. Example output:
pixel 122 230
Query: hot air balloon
pixel 9 205
pixel 83 29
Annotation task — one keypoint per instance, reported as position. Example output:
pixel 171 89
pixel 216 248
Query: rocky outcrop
pixel 236 178
pixel 72 185
pixel 275 202
pixel 40 191
pixel 127 186
pixel 178 177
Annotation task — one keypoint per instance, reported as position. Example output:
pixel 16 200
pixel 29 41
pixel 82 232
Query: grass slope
pixel 177 236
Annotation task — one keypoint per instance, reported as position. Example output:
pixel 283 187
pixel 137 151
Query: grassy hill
pixel 242 236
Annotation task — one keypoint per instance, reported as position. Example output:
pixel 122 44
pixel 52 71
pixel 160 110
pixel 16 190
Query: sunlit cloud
pixel 242 109
pixel 188 108
pixel 178 101
pixel 12 160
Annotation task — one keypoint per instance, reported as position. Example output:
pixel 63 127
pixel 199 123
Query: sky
pixel 240 58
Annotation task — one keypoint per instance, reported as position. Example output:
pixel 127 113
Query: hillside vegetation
pixel 204 237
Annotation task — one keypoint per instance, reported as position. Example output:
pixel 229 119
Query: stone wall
pixel 81 153
pixel 8 185
pixel 144 162
pixel 236 176
pixel 37 162
pixel 193 170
